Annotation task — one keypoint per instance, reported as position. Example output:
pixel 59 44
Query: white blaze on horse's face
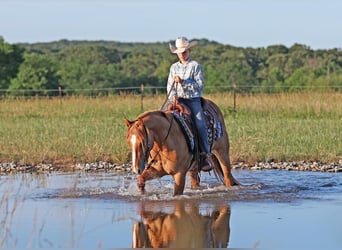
pixel 134 154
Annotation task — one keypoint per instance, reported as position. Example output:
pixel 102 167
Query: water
pixel 272 209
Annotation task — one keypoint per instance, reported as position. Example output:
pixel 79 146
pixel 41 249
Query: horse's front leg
pixel 179 179
pixel 148 174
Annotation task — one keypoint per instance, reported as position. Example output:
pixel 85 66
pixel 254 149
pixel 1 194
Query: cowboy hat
pixel 181 45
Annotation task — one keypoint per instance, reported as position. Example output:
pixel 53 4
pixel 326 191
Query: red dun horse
pixel 159 147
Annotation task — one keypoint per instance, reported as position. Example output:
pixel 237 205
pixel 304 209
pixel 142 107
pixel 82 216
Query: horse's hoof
pixel 195 187
pixel 142 189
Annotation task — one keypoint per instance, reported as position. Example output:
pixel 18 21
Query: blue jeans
pixel 198 117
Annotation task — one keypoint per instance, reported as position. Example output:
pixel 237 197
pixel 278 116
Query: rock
pixel 13 167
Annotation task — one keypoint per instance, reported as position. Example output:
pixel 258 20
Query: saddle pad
pixel 190 138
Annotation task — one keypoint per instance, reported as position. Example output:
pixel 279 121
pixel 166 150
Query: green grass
pixel 291 127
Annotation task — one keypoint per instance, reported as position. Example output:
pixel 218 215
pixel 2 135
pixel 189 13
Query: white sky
pixel 245 23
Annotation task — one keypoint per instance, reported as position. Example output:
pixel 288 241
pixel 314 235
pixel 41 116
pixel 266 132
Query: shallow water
pixel 272 209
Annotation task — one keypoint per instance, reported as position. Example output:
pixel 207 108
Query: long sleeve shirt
pixel 193 81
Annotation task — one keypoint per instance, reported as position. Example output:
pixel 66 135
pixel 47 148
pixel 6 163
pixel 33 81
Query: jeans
pixel 198 117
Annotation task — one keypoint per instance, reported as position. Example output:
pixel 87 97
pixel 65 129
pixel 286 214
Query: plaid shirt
pixel 193 81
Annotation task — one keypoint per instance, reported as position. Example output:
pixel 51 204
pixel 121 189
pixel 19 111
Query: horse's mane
pixel 147 113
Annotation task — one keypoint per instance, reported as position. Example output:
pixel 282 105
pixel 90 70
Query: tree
pixel 94 65
pixel 36 76
pixel 88 67
pixel 301 78
pixel 11 56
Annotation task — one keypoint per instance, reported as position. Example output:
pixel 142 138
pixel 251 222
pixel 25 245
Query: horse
pixel 182 226
pixel 160 147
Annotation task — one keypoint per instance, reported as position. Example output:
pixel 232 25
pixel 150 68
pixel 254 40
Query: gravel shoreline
pixel 293 166
pixel 12 167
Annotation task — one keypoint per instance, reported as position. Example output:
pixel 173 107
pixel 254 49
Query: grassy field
pixel 286 127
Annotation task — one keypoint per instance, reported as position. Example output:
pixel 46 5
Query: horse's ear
pixel 128 122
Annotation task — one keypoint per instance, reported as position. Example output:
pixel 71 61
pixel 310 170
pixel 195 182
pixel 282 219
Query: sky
pixel 242 23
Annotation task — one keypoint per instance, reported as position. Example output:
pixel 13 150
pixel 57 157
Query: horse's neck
pixel 160 127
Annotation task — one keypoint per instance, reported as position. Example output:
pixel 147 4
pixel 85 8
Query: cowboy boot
pixel 207 164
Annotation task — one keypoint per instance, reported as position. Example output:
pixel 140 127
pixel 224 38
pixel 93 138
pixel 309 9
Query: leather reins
pixel 147 148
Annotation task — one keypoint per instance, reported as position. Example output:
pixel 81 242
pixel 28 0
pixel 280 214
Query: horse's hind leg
pixel 224 161
pixel 194 177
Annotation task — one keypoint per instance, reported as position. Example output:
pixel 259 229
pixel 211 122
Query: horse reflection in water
pixel 184 227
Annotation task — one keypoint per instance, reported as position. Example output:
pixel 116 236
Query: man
pixel 185 84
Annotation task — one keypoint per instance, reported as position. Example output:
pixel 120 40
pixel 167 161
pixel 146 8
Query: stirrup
pixel 207 164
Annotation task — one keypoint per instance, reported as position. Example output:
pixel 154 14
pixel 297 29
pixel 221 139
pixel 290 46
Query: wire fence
pixel 156 90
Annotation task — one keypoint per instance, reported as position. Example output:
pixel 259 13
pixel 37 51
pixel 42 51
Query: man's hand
pixel 174 99
pixel 177 79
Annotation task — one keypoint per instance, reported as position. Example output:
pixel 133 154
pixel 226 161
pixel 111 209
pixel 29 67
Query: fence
pixel 143 91
pixel 155 90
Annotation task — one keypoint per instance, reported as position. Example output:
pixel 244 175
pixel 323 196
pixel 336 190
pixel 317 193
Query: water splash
pixel 257 185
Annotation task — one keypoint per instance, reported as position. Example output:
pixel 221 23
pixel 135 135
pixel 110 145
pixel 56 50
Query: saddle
pixel 182 115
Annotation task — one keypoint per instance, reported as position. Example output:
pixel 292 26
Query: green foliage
pixel 37 76
pixel 94 67
pixel 87 67
pixel 301 77
pixel 11 56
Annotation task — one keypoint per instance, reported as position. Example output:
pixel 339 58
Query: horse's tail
pixel 217 170
pixel 219 173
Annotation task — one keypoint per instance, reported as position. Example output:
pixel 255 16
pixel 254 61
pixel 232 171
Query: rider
pixel 185 84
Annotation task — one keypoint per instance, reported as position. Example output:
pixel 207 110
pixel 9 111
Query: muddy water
pixel 273 209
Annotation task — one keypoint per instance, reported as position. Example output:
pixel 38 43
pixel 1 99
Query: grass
pixel 287 127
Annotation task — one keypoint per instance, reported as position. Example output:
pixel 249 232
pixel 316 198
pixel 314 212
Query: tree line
pixel 76 66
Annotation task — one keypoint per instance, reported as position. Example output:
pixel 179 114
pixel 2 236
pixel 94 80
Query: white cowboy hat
pixel 181 45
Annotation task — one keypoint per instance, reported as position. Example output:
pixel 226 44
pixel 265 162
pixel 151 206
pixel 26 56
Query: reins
pixel 167 96
pixel 148 149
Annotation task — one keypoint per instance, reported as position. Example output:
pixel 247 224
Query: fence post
pixel 234 96
pixel 142 98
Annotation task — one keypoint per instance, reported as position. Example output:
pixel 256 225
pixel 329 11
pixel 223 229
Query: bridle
pixel 146 147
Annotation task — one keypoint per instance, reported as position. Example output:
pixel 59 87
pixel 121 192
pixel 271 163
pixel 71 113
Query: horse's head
pixel 137 139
